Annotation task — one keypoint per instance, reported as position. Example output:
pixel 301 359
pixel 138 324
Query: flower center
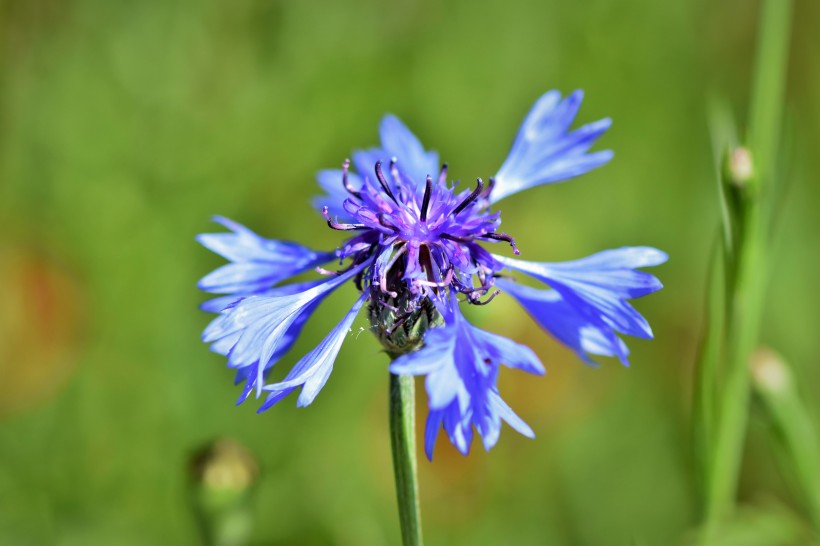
pixel 427 236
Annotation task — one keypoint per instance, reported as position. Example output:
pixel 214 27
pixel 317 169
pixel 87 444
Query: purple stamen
pixel 443 284
pixel 439 234
pixel 470 198
pixel 388 306
pixel 455 238
pixel 390 264
pixel 426 201
pixel 345 183
pixel 442 175
pixel 383 182
pixel 399 321
pixel 383 221
pixel 490 185
pixel 503 237
pixel 338 226
pixel 394 172
pixel 477 301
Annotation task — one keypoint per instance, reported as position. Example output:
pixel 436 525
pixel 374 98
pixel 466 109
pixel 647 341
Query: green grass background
pixel 125 125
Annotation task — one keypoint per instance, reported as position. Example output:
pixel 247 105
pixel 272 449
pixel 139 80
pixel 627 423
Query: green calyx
pixel 401 332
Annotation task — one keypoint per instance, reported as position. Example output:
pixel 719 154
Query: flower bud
pixel 223 474
pixel 400 325
pixel 739 166
pixel 769 373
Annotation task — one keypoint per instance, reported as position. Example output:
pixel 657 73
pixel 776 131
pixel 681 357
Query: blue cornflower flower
pixel 415 257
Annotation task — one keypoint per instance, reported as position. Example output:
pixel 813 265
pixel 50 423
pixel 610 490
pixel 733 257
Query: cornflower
pixel 419 253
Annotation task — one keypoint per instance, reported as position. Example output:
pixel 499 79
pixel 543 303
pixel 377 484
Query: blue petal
pixel 267 324
pixel 512 354
pixel 490 426
pixel 508 415
pixel 568 326
pixel 257 263
pixel 312 371
pixel 285 345
pixel 399 142
pixel 595 288
pixel 331 182
pixel 224 345
pixel 461 363
pixel 252 375
pixel 431 429
pixel 629 257
pixel 412 160
pixel 365 162
pixel 217 305
pixel 249 375
pixel 457 424
pixel 544 152
pixel 217 332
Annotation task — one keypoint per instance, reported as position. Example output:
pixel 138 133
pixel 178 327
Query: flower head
pixel 417 253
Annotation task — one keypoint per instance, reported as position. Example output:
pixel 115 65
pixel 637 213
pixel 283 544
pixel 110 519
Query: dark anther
pixel 442 175
pixel 383 221
pixel 386 305
pixel 470 198
pixel 348 187
pixel 426 262
pixel 399 321
pixel 477 301
pixel 503 237
pixel 362 257
pixel 394 172
pixel 340 227
pixel 383 182
pixel 455 238
pixel 426 201
pixel 489 189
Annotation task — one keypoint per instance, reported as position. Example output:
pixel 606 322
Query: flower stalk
pixel 746 267
pixel 405 468
pixel 775 384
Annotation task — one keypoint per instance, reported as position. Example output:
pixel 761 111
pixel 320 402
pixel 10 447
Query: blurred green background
pixel 125 125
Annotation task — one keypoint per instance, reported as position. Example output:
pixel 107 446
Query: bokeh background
pixel 124 126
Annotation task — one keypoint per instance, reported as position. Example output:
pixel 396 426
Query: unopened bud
pixel 769 372
pixel 739 166
pixel 223 474
pixel 226 466
pixel 400 325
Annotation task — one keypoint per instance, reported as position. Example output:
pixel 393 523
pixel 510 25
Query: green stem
pixel 766 112
pixel 746 286
pixel 403 441
pixel 706 371
pixel 776 386
pixel 730 431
